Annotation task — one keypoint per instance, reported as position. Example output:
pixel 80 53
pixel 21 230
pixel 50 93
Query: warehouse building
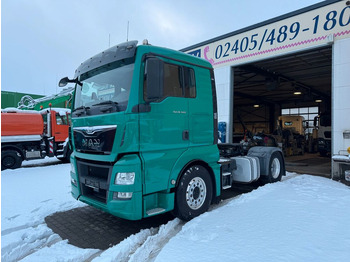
pixel 296 64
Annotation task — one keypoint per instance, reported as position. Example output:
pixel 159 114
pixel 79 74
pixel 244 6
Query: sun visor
pixel 115 53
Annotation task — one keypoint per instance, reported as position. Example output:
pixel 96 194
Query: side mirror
pixel 63 82
pixel 154 79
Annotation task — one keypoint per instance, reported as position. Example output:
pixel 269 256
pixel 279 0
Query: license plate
pixel 92 184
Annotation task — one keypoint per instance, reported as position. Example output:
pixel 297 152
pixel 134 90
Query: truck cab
pixel 144 123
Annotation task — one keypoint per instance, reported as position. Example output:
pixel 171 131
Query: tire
pixel 193 193
pixel 276 169
pixel 10 159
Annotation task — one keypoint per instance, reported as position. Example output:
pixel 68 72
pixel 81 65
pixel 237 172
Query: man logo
pixel 90 130
pixel 91 143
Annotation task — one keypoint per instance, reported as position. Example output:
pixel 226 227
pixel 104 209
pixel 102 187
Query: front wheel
pixel 276 169
pixel 194 193
pixel 10 159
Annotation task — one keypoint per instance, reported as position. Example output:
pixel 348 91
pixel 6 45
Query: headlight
pixel 125 178
pixel 72 167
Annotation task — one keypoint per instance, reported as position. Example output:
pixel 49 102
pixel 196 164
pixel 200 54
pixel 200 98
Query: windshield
pixel 105 90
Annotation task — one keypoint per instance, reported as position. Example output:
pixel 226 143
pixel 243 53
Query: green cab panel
pixel 200 108
pixel 158 203
pixel 162 140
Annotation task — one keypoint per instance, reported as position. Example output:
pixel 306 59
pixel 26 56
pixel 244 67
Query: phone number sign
pixel 316 27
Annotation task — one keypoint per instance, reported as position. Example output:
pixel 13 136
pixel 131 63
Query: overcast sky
pixel 45 40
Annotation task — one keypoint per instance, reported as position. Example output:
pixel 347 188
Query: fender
pixel 203 155
pixel 13 147
pixel 264 154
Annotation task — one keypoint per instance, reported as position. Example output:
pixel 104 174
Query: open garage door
pixel 294 84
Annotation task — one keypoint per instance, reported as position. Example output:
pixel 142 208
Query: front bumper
pixel 95 186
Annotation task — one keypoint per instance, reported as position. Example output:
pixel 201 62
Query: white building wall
pixel 224 93
pixel 341 95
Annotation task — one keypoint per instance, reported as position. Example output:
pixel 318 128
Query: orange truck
pixel 27 135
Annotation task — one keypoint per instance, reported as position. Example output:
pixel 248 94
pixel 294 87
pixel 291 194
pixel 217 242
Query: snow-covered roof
pixel 61 111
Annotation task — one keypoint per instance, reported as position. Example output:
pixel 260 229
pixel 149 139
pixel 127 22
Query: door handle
pixel 185 135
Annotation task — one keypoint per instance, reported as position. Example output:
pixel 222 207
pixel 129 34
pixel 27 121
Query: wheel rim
pixel 275 168
pixel 8 161
pixel 196 193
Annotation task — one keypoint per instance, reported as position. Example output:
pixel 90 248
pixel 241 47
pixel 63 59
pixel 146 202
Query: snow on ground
pixel 303 218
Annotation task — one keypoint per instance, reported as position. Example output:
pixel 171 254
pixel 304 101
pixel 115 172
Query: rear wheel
pixel 10 159
pixel 194 193
pixel 276 169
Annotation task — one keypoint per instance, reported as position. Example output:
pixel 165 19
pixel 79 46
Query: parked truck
pixel 290 133
pixel 322 124
pixel 27 135
pixel 145 138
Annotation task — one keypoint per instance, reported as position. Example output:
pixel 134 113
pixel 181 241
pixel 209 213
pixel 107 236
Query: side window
pixel 190 82
pixel 172 81
pixel 59 120
pixel 168 80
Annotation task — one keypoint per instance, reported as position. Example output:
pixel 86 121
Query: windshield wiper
pixel 83 108
pixel 108 102
pixel 112 108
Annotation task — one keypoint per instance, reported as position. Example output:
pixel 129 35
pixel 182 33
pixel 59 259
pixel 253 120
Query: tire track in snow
pixel 143 246
pixel 147 244
pixel 26 240
pixel 14 229
pixel 154 244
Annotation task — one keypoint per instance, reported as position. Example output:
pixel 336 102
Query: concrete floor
pixel 313 164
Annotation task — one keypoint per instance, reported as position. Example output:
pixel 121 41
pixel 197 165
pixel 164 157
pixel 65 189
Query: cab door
pixel 60 126
pixel 164 130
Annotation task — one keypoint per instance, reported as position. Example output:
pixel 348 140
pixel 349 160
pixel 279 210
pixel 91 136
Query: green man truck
pixel 145 138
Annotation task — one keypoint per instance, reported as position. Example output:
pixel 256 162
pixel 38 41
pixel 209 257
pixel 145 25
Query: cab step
pixel 155 211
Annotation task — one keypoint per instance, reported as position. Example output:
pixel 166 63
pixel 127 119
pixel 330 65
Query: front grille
pixel 94 179
pixel 95 139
